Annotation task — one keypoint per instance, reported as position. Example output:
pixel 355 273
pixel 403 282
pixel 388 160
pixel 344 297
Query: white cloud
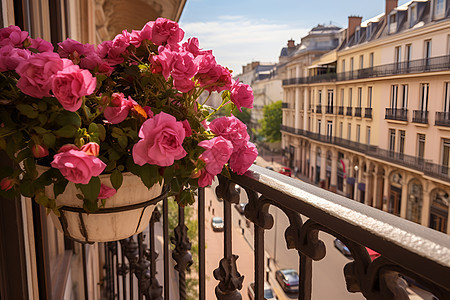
pixel 236 40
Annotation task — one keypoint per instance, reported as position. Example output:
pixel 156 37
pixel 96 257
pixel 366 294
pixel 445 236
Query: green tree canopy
pixel 271 122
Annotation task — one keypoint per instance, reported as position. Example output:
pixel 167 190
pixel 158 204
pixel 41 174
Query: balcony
pixel 329 109
pixel 420 116
pixel 368 113
pixel 340 110
pixel 358 112
pixel 397 114
pixel 285 105
pixel 349 111
pixel 442 118
pixel 319 109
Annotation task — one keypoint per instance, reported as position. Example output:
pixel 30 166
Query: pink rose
pixel 183 66
pixel 91 149
pixel 68 147
pixel 206 61
pixel 106 192
pixel 11 57
pixel 232 129
pixel 12 35
pixel 77 166
pixel 72 83
pixel 187 128
pixel 242 159
pixel 69 46
pixel 166 31
pixel 223 81
pixel 192 46
pixel 161 141
pixel 148 111
pixel 137 37
pixel 119 108
pixel 36 73
pixel 41 45
pixel 183 85
pixel 241 95
pixel 39 151
pixel 164 61
pixel 6 184
pixel 217 153
pixel 205 179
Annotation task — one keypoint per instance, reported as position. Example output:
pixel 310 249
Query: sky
pixel 242 31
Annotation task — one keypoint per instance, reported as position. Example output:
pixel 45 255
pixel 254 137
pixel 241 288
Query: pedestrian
pixel 295 171
pixel 272 160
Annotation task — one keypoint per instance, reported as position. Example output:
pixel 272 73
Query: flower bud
pixel 91 149
pixel 39 151
pixel 6 184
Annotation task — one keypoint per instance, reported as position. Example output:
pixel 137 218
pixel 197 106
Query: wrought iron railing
pixel 442 118
pixel 319 109
pixel 358 111
pixel 398 114
pixel 329 109
pixel 284 105
pixel 349 111
pixel 407 249
pixel 368 113
pixel 340 110
pixel 420 116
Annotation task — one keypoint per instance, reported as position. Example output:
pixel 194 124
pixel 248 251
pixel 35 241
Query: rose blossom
pixel 12 35
pixel 77 166
pixel 187 128
pixel 183 66
pixel 242 159
pixel 166 31
pixel 106 192
pixel 224 80
pixel 11 57
pixel 205 178
pixel 91 149
pixel 241 95
pixel 119 108
pixel 41 45
pixel 39 151
pixel 69 46
pixel 217 153
pixel 72 83
pixel 36 73
pixel 6 184
pixel 232 129
pixel 161 141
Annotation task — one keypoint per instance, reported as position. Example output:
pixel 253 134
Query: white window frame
pixel 394 96
pixel 424 95
pixel 405 96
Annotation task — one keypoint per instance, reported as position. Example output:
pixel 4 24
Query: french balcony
pixel 349 111
pixel 368 113
pixel 284 105
pixel 358 111
pixel 319 109
pixel 442 118
pixel 329 109
pixel 397 114
pixel 340 110
pixel 420 116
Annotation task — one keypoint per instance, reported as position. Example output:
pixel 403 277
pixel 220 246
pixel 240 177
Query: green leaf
pixel 59 187
pixel 123 141
pixel 92 189
pixel 66 131
pixel 40 130
pixel 68 118
pixel 101 132
pixel 132 167
pixel 42 106
pixel 169 173
pixel 30 167
pixel 116 179
pixel 27 188
pixel 49 140
pixel 42 118
pixel 121 168
pixel 110 166
pixel 42 200
pixel 90 206
pixel 27 110
pixel 117 132
pixel 93 128
pixel 113 155
pixel 149 175
pixel 25 153
pixel 46 178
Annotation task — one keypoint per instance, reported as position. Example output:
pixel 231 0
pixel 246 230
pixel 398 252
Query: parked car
pixel 217 224
pixel 240 207
pixel 285 171
pixel 269 168
pixel 288 280
pixel 342 248
pixel 268 291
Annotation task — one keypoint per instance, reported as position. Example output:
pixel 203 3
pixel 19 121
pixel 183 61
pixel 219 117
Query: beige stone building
pixel 371 119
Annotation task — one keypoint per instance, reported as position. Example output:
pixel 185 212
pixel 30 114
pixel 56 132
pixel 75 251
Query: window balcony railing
pixel 398 114
pixel 340 110
pixel 358 111
pixel 319 109
pixel 442 118
pixel 329 109
pixel 407 249
pixel 284 105
pixel 349 111
pixel 420 116
pixel 368 113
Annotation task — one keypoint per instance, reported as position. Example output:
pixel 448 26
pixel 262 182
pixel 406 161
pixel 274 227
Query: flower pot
pixel 126 213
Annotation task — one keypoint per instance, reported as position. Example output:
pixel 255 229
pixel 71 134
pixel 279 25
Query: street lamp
pixel 356 182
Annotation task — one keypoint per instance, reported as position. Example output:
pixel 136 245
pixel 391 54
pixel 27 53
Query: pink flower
pixel 217 153
pixel 223 81
pixel 242 159
pixel 39 151
pixel 12 35
pixel 161 141
pixel 68 147
pixel 36 73
pixel 232 129
pixel 6 184
pixel 72 83
pixel 148 111
pixel 166 31
pixel 206 61
pixel 187 128
pixel 183 66
pixel 241 95
pixel 137 37
pixel 77 166
pixel 163 61
pixel 11 57
pixel 205 179
pixel 91 149
pixel 119 108
pixel 106 192
pixel 192 46
pixel 69 46
pixel 41 45
pixel 183 85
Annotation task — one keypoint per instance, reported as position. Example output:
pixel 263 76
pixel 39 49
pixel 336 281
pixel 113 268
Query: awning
pixel 350 180
pixel 362 186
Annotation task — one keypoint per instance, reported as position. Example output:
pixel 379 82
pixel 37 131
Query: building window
pixel 351 64
pixel 414 206
pixel 319 125
pixel 408 54
pixel 368 135
pixel 369 97
pixel 368 31
pixel 361 62
pixel 350 97
pixel 420 145
pixel 342 97
pixel 341 129
pixel 330 98
pixel 401 141
pixel 392 140
pixel 412 15
pixel 445 155
pixel 359 97
pixel 439 8
pixel 371 60
pixel 320 97
pixel 329 129
pixel 404 96
pixel 398 54
pixel 358 133
pixel 447 97
pixel 439 210
pixel 427 50
pixel 357 34
pixel 393 23
pixel 343 66
pixel 424 89
pixel 394 94
pixel 349 131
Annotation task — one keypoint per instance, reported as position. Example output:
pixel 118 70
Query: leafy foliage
pixel 271 122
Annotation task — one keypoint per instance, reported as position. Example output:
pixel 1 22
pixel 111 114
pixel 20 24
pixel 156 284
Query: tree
pixel 271 122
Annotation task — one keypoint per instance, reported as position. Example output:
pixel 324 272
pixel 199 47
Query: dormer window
pixel 357 34
pixel 393 23
pixel 439 8
pixel 412 15
pixel 368 31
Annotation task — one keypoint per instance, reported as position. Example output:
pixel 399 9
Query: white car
pixel 268 291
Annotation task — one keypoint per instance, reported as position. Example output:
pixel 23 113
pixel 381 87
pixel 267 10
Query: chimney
pixel 390 5
pixel 291 43
pixel 353 22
